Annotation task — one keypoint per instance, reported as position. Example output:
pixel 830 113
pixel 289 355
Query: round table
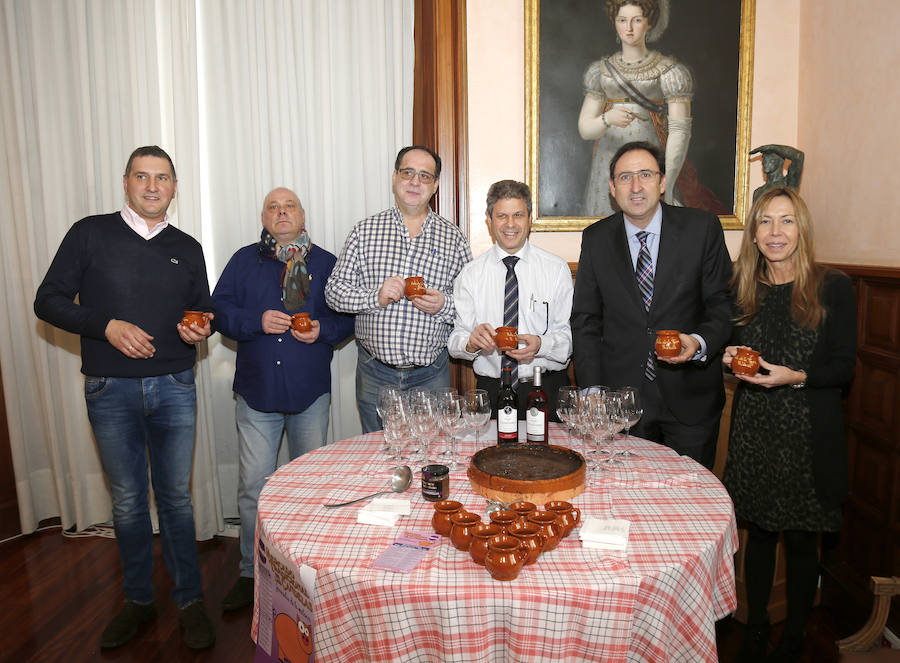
pixel 656 601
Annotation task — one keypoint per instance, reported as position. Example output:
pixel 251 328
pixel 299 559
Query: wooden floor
pixel 58 594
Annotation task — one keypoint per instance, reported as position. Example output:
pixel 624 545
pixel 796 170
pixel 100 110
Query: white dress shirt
pixel 141 227
pixel 545 304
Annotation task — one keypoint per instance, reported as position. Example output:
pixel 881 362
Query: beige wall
pixel 848 128
pixel 828 107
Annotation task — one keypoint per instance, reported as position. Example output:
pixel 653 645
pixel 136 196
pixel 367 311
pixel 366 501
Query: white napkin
pixel 383 511
pixel 611 534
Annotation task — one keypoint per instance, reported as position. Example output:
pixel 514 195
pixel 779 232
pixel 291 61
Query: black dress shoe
pixel 753 647
pixel 239 596
pixel 198 630
pixel 124 626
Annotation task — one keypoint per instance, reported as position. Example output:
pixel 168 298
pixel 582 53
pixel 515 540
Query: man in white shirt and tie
pixel 512 274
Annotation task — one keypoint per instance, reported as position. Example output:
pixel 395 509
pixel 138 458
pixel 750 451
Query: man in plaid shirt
pixel 401 341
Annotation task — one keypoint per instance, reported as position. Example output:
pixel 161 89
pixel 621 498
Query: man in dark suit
pixel 653 266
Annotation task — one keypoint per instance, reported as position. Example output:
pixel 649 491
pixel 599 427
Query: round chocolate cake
pixel 534 472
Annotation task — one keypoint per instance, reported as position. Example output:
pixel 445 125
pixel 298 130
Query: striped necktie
pixel 510 314
pixel 644 274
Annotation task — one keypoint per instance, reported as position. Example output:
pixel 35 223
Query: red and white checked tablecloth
pixel 658 601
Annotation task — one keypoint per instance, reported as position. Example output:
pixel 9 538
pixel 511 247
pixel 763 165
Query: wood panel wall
pixel 870 540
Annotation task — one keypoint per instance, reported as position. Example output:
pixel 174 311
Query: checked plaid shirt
pixel 378 247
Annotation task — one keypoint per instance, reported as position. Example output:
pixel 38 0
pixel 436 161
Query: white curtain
pixel 315 95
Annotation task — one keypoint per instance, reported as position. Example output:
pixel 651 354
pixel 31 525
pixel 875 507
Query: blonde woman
pixel 787 453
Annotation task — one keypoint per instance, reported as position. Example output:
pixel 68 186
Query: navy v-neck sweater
pixel 118 274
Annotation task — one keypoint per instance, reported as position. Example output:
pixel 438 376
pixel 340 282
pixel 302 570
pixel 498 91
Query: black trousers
pixel 697 441
pixel 551 381
pixel 801 551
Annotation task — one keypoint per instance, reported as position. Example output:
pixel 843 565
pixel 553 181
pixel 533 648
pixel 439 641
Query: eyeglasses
pixel 424 176
pixel 644 176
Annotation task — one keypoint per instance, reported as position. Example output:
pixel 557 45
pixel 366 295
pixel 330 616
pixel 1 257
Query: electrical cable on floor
pixel 19 536
pixel 102 530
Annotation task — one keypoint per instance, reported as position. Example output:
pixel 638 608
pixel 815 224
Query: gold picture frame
pixel 554 188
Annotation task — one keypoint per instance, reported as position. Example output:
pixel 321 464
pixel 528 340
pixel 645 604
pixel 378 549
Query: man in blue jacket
pixel 282 378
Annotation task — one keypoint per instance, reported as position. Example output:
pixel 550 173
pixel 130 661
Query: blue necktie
pixel 510 314
pixel 644 275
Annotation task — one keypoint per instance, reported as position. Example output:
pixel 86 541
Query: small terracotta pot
pixel 503 518
pixel 567 516
pixel 481 536
pixel 461 532
pixel 523 509
pixel 199 318
pixel 301 322
pixel 549 527
pixel 668 343
pixel 441 518
pixel 415 287
pixel 506 338
pixel 530 536
pixel 745 362
pixel 505 557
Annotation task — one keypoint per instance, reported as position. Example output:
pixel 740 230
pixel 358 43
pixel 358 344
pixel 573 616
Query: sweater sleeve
pixel 55 298
pixel 835 365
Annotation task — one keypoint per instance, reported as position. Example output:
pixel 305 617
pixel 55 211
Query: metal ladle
pixel 400 481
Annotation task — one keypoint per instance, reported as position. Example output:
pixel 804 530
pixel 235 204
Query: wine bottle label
pixel 534 422
pixel 507 421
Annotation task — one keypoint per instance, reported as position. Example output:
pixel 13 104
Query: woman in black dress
pixel 787 453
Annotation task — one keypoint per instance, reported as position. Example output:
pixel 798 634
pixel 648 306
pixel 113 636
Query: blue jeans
pixel 372 374
pixel 131 419
pixel 259 436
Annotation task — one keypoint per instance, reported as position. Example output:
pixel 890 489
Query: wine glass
pixel 396 429
pixel 617 417
pixel 388 396
pixel 455 422
pixel 477 410
pixel 444 398
pixel 631 412
pixel 421 400
pixel 423 421
pixel 585 397
pixel 597 410
pixel 566 403
pixel 442 395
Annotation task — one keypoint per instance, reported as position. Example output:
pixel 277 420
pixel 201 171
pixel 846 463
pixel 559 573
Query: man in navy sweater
pixel 282 378
pixel 134 276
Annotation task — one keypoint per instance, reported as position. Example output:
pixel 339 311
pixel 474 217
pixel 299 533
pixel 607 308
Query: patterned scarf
pixel 294 278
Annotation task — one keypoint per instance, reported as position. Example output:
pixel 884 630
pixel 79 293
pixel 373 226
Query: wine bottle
pixel 536 418
pixel 507 411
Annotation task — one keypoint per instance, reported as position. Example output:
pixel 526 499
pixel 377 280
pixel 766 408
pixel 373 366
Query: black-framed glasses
pixel 643 176
pixel 409 173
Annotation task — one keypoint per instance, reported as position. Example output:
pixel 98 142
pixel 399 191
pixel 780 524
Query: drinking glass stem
pixel 452 459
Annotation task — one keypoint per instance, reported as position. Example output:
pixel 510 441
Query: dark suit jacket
pixel 613 334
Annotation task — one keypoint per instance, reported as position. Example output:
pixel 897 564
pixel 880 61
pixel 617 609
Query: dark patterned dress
pixel 769 472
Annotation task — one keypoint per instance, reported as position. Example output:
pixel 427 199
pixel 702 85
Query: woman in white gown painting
pixel 638 94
